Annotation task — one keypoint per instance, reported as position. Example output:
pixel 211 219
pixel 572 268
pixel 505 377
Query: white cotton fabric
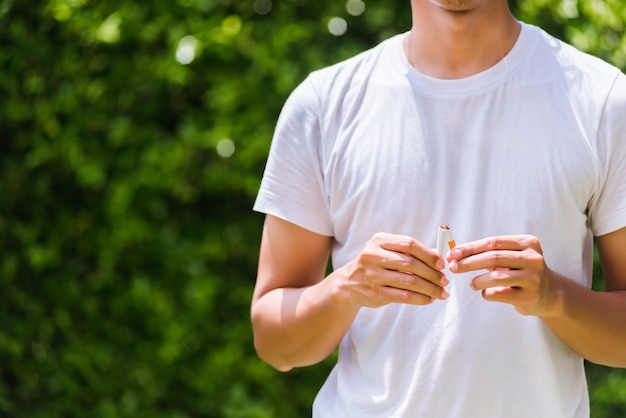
pixel 534 145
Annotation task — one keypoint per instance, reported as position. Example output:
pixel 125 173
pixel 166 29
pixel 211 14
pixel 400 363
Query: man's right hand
pixel 299 316
pixel 393 269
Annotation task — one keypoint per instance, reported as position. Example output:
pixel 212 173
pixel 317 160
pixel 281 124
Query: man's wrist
pixel 557 296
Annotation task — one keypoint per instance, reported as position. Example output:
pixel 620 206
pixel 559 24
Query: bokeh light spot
pixel 355 7
pixel 569 9
pixel 231 25
pixel 109 30
pixel 186 51
pixel 262 7
pixel 337 26
pixel 225 148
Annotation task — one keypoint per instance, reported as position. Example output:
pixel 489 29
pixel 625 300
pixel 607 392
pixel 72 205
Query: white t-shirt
pixel 534 145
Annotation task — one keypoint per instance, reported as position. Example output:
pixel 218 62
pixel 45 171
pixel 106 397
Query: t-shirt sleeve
pixel 292 187
pixel 608 211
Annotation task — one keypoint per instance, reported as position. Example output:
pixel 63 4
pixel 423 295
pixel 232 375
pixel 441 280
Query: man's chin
pixel 456 6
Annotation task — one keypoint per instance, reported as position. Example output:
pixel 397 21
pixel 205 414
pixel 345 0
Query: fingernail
pixel 444 281
pixel 455 252
pixel 453 266
pixel 440 264
pixel 445 294
pixel 471 284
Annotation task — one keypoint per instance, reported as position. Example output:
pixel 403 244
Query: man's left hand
pixel 516 272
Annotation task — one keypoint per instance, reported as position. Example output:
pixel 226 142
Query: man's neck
pixel 451 45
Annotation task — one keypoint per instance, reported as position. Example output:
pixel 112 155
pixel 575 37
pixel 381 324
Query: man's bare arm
pixel 296 317
pixel 591 323
pixel 594 323
pixel 299 317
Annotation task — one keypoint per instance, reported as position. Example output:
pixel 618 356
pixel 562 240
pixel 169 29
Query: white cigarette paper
pixel 444 237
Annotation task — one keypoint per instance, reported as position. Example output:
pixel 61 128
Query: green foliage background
pixel 127 242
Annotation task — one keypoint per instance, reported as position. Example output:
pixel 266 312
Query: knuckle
pixel 367 256
pixel 495 258
pixel 532 241
pixel 535 255
pixel 492 244
pixel 406 261
pixel 497 255
pixel 535 259
pixel 377 240
pixel 405 242
pixel 378 236
pixel 409 281
pixel 498 275
pixel 410 242
pixel 404 296
pixel 361 271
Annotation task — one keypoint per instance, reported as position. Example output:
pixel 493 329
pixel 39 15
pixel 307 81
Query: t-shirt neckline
pixel 473 83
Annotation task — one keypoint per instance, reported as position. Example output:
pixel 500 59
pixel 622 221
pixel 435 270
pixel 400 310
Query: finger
pixel 509 295
pixel 497 243
pixel 405 263
pixel 375 262
pixel 412 247
pixel 507 286
pixel 497 279
pixel 395 295
pixel 406 254
pixel 415 284
pixel 491 260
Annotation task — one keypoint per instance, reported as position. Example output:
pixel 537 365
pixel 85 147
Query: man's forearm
pixel 593 324
pixel 300 327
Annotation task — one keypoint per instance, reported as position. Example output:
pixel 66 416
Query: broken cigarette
pixel 444 236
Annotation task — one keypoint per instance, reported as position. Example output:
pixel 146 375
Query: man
pixel 475 120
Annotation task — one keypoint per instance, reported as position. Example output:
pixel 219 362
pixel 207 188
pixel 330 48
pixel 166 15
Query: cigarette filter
pixel 444 237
